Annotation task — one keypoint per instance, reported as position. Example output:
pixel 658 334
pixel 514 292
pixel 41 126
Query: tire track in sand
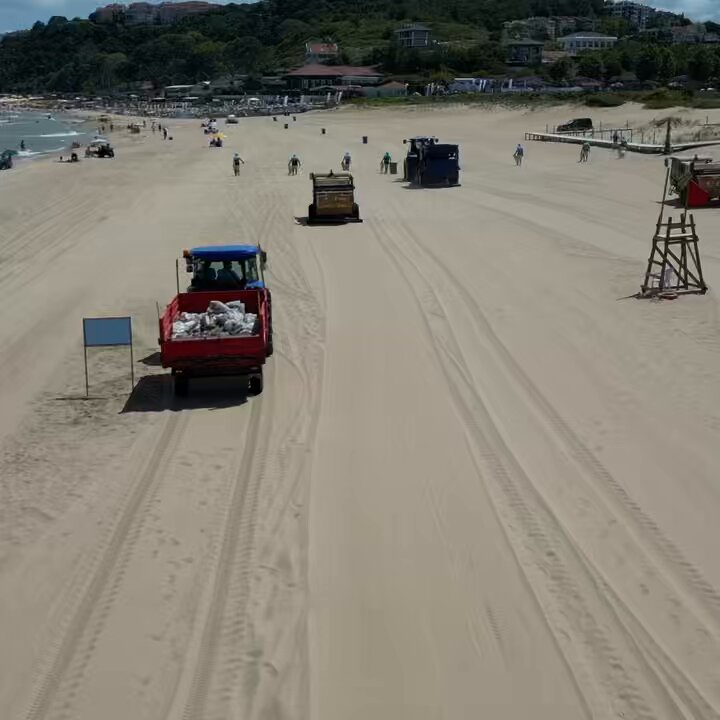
pixel 613 673
pixel 686 572
pixel 90 607
pixel 223 626
pixel 222 659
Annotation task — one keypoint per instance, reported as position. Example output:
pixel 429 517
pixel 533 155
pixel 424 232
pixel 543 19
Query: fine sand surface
pixel 479 484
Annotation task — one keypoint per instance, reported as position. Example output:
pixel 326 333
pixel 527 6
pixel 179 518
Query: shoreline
pixel 85 119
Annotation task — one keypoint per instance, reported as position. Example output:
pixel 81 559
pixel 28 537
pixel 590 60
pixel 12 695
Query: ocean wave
pixel 71 133
pixel 35 153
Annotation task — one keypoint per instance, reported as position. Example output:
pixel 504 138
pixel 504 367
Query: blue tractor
pixel 429 162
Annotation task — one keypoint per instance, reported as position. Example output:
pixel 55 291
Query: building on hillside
pixel 414 35
pixel 109 15
pixel 141 13
pixel 696 34
pixel 580 41
pixel 321 52
pixel 169 13
pixel 534 28
pixel 541 28
pixel 547 28
pixel 318 75
pixel 524 52
pixel 145 13
pixel 665 18
pixel 567 24
pixel 636 14
pixel 641 16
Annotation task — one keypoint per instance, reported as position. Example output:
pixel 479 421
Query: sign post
pixel 107 332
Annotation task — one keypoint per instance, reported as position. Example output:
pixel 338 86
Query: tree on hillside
pixel 681 56
pixel 250 37
pixel 589 65
pixel 561 70
pixel 619 27
pixel 701 63
pixel 243 54
pixel 647 64
pixel 666 65
pixel 612 66
pixel 627 59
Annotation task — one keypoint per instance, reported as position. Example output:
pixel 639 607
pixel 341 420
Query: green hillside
pixel 78 55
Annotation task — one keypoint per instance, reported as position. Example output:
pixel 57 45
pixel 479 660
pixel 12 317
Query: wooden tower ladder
pixel 674 265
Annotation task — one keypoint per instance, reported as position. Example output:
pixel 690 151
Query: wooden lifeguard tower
pixel 674 266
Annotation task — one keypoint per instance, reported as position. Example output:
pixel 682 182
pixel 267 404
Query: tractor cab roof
pixel 218 253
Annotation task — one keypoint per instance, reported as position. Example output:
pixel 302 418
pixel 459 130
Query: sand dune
pixel 479 482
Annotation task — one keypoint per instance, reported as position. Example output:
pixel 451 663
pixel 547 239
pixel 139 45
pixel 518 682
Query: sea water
pixel 42 133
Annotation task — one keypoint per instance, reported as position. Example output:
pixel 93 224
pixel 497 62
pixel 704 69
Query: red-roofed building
pixel 317 75
pixel 320 52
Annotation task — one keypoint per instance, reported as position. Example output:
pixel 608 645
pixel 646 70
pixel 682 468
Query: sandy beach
pixel 482 481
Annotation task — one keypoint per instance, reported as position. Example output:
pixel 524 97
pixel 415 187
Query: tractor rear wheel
pixel 312 213
pixel 181 385
pixel 355 211
pixel 255 384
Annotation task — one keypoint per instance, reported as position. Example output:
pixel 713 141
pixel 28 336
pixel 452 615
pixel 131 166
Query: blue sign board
pixel 105 332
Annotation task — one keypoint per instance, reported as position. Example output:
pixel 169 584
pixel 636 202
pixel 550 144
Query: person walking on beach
pixel 22 145
pixel 294 165
pixel 385 163
pixel 616 138
pixel 519 154
pixel 346 161
pixel 164 133
pixel 584 152
pixel 236 163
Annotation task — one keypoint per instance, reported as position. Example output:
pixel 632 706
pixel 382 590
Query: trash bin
pixel 287 126
pixel 294 119
pixel 393 168
pixel 322 131
pixel 365 139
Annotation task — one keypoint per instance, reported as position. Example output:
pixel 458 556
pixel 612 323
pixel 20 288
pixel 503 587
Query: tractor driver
pixel 205 275
pixel 227 276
